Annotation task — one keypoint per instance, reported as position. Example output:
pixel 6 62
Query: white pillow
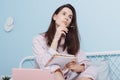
pixel 102 68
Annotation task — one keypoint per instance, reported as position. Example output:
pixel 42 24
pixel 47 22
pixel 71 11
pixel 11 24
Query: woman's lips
pixel 65 22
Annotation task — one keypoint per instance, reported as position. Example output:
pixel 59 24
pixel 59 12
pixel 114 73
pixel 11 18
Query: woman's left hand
pixel 75 67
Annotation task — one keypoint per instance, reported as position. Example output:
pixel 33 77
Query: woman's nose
pixel 66 19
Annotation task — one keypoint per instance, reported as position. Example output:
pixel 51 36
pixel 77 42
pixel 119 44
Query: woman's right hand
pixel 62 29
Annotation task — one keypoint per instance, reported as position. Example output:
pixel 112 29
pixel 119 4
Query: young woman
pixel 62 38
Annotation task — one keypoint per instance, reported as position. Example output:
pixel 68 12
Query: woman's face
pixel 64 17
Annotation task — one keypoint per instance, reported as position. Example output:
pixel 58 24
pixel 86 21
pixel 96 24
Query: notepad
pixel 60 60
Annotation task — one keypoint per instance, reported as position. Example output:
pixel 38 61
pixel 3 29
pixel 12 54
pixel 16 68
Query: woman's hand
pixel 62 29
pixel 75 67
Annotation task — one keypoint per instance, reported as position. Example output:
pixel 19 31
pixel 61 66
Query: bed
pixel 107 63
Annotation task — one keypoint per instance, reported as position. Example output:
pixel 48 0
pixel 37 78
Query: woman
pixel 62 38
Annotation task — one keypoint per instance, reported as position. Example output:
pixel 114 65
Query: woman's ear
pixel 54 17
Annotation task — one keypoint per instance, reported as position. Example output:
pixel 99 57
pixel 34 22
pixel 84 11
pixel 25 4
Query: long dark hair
pixel 72 43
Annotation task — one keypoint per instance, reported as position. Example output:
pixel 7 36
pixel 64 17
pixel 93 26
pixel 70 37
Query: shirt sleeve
pixel 82 58
pixel 43 53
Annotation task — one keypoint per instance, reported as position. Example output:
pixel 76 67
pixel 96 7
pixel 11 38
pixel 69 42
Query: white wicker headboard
pixel 103 53
pixel 113 58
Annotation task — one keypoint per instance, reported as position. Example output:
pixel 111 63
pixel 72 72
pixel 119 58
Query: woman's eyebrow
pixel 66 12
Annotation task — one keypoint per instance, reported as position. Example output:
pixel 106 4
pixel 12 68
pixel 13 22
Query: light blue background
pixel 98 21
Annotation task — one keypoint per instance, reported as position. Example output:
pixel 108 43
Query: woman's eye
pixel 70 17
pixel 63 13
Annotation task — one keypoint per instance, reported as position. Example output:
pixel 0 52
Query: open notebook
pixel 31 74
pixel 61 60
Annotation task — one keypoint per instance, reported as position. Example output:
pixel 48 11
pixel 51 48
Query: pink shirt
pixel 43 53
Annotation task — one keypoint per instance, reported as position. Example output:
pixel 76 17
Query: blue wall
pixel 98 21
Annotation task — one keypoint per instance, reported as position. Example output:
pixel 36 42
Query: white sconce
pixel 9 24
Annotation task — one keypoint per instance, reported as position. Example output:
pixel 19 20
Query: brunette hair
pixel 72 43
